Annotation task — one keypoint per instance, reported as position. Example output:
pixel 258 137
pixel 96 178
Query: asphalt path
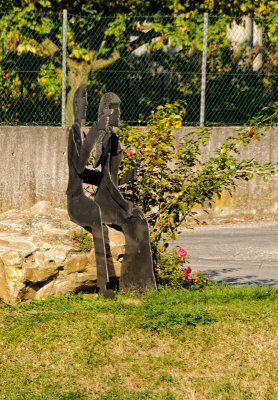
pixel 241 253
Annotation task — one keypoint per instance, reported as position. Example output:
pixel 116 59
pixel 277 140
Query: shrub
pixel 172 180
pixel 172 270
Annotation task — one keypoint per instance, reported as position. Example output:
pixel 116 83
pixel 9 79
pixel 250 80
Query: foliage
pixel 172 180
pixel 10 87
pixel 234 7
pixel 50 81
pixel 29 58
pixel 171 272
pixel 84 241
pixel 98 47
pixel 199 281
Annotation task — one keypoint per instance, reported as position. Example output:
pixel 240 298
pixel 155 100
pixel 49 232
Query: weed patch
pixel 158 318
pixel 84 241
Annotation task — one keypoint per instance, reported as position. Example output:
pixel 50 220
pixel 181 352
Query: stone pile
pixel 38 256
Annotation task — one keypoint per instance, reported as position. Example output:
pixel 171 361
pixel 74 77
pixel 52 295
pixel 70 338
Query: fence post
pixel 64 67
pixel 204 65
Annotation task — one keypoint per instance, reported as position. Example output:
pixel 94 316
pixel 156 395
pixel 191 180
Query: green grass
pixel 218 343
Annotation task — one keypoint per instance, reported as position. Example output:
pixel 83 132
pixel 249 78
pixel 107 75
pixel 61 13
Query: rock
pixel 77 263
pixel 38 256
pixel 39 274
pixel 12 258
pixel 4 289
pixel 42 208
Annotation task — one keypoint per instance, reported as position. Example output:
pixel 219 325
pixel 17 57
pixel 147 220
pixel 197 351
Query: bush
pixel 172 180
pixel 172 271
pixel 170 268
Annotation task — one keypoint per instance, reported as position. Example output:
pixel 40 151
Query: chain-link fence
pixel 230 71
pixel 30 79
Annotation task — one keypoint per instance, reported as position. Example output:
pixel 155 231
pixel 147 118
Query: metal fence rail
pixel 225 71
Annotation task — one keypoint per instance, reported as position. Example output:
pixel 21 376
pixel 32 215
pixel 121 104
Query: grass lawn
pixel 218 343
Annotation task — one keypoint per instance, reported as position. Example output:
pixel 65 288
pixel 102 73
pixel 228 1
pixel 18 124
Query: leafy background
pixel 133 49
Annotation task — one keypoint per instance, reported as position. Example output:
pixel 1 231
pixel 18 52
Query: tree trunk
pixel 78 73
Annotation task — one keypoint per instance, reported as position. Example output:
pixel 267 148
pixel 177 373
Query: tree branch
pixel 143 38
pixel 47 47
pixel 103 63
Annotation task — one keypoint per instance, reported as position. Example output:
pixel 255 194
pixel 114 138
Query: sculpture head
pixel 80 103
pixel 110 101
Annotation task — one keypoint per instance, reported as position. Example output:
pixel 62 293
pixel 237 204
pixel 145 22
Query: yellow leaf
pixel 242 7
pixel 76 53
pixel 262 8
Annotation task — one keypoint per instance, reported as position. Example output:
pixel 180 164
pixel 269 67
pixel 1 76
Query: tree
pixel 94 42
pixel 99 40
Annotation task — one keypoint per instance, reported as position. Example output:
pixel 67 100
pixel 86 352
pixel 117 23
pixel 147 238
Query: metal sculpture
pixel 109 206
pixel 81 209
pixel 137 266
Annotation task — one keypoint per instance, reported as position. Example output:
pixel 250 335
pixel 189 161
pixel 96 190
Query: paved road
pixel 236 253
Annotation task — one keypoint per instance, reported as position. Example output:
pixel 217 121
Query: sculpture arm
pixel 95 135
pixel 86 149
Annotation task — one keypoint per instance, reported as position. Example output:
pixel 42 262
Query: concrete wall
pixel 33 167
pixel 254 199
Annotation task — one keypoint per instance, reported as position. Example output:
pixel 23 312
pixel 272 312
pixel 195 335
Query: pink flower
pixel 130 152
pixel 188 270
pixel 181 253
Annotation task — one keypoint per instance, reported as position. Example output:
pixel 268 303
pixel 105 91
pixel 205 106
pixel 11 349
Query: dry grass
pixel 81 347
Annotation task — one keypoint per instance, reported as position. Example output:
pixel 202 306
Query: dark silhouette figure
pixel 137 267
pixel 83 210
